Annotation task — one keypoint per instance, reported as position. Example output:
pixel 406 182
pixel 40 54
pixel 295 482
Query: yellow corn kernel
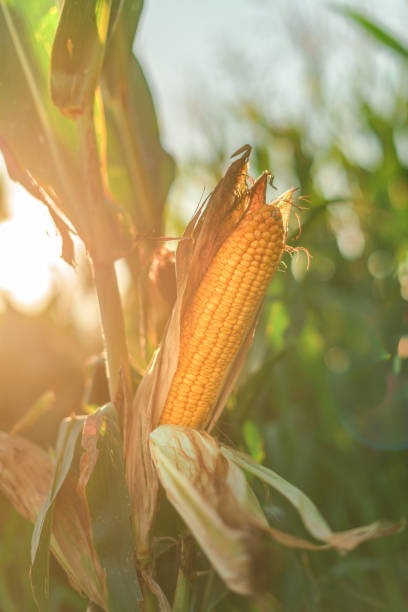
pixel 220 314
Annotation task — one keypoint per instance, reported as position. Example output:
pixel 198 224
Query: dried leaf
pixel 258 191
pixel 23 176
pixel 160 289
pixel 89 457
pixel 312 519
pixel 140 473
pixel 215 220
pixel 26 473
pixel 218 505
pixel 213 498
pixel 41 539
pixel 345 541
pixel 314 522
pixel 284 203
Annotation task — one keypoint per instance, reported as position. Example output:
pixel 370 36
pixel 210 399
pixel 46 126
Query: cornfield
pixel 146 503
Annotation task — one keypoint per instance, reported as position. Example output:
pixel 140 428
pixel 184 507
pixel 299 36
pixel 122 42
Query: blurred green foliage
pixel 326 384
pixel 324 395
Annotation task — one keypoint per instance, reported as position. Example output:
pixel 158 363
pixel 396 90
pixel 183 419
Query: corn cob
pixel 220 313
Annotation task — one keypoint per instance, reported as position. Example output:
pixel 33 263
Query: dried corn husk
pixel 205 483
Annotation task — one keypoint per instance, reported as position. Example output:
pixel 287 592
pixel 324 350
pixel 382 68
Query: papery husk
pixel 212 496
pixel 205 483
pixel 25 478
pixel 25 474
pixel 212 223
pixel 160 289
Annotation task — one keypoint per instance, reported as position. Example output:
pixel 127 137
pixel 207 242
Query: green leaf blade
pixel 110 510
pixel 377 31
pixel 77 54
pixel 40 543
pixel 33 133
pixel 139 170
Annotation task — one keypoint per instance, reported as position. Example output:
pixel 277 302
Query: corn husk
pixel 212 223
pixel 212 496
pixel 205 483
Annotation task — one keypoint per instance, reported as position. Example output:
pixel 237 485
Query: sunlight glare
pixel 30 249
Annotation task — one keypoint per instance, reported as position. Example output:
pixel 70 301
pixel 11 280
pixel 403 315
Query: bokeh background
pixel 323 399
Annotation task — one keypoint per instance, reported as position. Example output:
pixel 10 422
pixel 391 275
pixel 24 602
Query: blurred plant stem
pixel 93 608
pixel 182 595
pixel 100 252
pixel 113 326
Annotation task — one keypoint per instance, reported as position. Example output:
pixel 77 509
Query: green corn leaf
pixel 34 136
pixel 376 30
pixel 115 12
pixel 213 591
pixel 120 42
pixel 109 506
pixel 184 587
pixel 40 544
pixel 77 54
pixel 253 440
pixel 182 594
pixel 39 144
pixel 138 170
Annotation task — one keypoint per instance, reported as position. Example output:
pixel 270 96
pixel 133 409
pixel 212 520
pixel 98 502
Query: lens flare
pixel 30 250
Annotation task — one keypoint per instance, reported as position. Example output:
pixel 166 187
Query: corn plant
pixel 78 131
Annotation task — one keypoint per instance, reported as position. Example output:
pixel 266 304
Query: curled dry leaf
pixel 24 177
pixel 25 474
pixel 214 221
pixel 212 496
pixel 316 525
pixel 25 478
pixel 205 483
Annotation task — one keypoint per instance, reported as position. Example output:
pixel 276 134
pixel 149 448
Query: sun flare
pixel 30 252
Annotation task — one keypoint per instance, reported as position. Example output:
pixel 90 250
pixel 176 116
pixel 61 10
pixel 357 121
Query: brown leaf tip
pixel 246 149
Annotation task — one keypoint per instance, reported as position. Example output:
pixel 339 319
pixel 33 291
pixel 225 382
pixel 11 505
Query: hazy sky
pixel 201 55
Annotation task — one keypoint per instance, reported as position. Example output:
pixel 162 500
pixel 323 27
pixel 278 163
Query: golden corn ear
pixel 220 313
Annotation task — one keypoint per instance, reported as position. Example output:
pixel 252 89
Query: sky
pixel 201 59
pixel 199 56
